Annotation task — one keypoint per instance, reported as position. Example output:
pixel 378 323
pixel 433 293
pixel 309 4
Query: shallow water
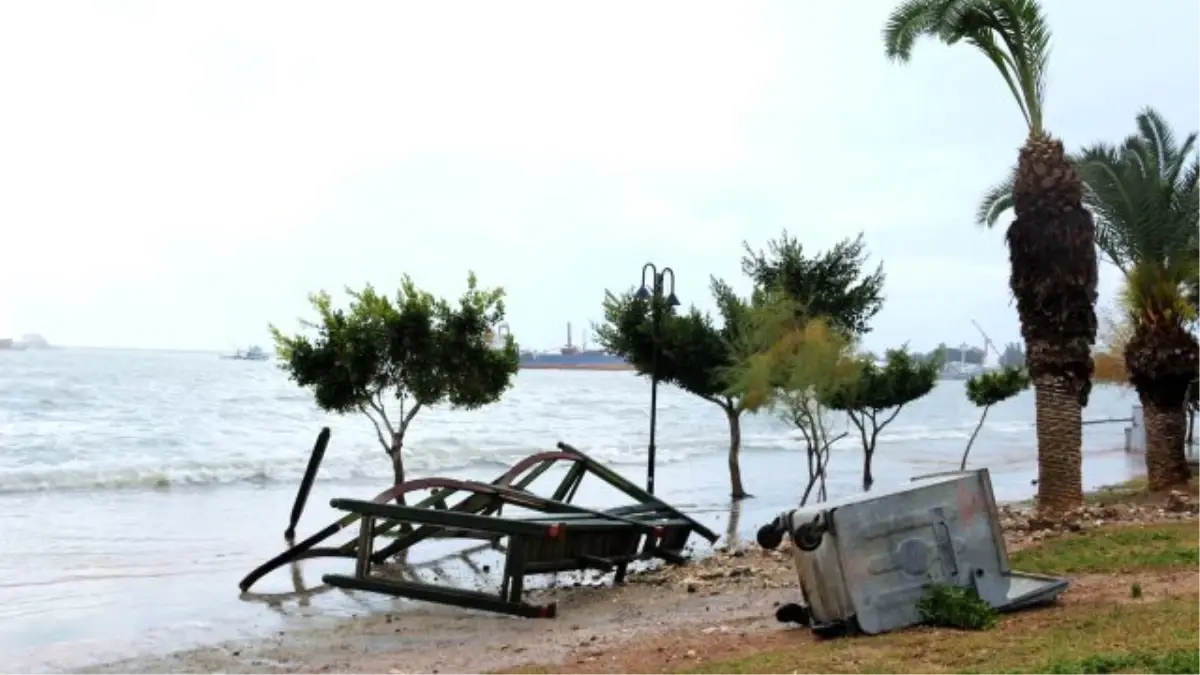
pixel 137 488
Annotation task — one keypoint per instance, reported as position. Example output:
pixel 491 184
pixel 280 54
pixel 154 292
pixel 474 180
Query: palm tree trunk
pixel 1060 446
pixel 1052 250
pixel 1166 434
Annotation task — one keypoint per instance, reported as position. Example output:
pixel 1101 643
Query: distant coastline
pixel 621 366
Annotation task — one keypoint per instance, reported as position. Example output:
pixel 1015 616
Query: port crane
pixel 987 341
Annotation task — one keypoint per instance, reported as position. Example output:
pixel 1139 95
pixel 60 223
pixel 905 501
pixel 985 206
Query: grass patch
pixel 1116 549
pixel 1133 491
pixel 1106 495
pixel 1144 637
pixel 1174 661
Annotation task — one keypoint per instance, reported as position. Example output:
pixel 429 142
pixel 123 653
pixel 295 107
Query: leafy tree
pixel 786 363
pixel 988 389
pixel 876 396
pixel 1143 193
pixel 693 353
pixel 388 359
pixel 1052 240
pixel 830 285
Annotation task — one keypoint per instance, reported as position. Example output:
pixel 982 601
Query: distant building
pixel 967 355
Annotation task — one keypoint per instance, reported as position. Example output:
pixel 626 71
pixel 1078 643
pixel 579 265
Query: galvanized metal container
pixel 864 562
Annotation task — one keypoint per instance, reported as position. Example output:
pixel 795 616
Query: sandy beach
pixel 731 591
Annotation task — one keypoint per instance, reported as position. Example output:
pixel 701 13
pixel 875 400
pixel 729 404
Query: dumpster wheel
pixel 770 536
pixel 836 629
pixel 808 536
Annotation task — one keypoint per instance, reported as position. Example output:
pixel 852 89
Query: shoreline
pixel 676 616
pixel 722 593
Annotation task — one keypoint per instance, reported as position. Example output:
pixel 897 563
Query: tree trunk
pixel 1054 276
pixel 1166 435
pixel 867 479
pixel 962 466
pixel 397 455
pixel 1162 361
pixel 735 449
pixel 1059 446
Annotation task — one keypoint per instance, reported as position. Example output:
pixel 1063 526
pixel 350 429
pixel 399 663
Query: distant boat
pixel 590 359
pixel 571 357
pixel 27 341
pixel 254 353
pixel 33 341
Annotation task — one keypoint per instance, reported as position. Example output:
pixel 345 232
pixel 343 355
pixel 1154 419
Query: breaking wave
pixel 369 464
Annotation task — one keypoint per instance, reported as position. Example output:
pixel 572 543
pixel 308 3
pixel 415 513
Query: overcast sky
pixel 178 174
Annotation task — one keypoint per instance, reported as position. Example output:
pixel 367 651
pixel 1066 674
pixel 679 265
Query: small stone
pixel 691 653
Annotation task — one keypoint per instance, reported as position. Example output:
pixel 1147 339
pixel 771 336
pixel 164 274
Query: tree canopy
pixel 830 284
pixel 693 349
pixel 388 358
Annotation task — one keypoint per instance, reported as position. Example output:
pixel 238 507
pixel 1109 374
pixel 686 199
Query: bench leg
pixel 514 570
pixel 619 577
pixel 366 539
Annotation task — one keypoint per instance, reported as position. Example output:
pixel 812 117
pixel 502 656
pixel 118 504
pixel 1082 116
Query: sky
pixel 180 174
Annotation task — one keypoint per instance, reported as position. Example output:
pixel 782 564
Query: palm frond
pixel 1143 195
pixel 1012 34
pixel 997 200
pixel 909 22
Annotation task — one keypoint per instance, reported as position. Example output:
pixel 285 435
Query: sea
pixel 138 487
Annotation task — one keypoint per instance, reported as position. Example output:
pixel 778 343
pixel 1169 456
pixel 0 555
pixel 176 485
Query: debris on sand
pixel 741 565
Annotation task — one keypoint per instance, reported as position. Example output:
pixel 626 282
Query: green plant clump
pixel 949 606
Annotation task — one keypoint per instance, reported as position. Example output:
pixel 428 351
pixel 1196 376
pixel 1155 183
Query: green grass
pixel 1142 637
pixel 1116 549
pixel 1173 661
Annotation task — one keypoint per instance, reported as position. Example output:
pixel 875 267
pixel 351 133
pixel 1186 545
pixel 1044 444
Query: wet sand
pixel 438 639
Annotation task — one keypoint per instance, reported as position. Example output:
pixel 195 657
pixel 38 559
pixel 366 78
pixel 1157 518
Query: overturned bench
pixel 557 535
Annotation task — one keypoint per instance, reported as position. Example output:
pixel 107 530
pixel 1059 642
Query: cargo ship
pixel 570 357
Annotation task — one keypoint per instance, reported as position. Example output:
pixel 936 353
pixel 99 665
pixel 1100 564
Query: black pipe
pixel 310 475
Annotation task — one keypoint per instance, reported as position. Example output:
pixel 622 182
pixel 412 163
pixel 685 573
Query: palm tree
pixel 1052 240
pixel 1144 196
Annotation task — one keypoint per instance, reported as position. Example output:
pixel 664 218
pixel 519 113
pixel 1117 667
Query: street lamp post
pixel 655 295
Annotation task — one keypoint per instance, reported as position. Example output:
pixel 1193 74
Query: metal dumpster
pixel 864 561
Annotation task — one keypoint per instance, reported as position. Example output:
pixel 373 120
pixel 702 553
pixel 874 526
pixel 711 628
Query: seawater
pixel 138 487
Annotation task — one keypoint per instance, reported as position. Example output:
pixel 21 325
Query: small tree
pixel 417 351
pixel 988 389
pixel 693 352
pixel 787 363
pixel 874 399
